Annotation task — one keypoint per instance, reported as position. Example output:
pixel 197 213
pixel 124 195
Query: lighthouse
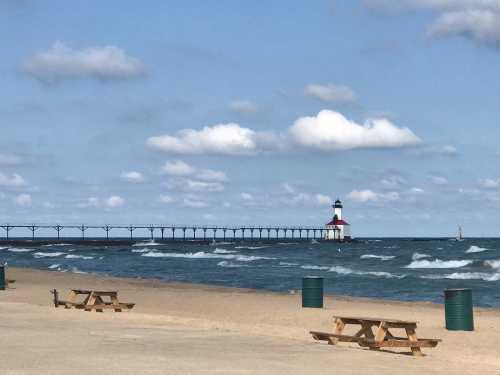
pixel 337 229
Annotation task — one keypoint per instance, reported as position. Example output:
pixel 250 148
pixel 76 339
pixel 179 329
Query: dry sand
pixel 194 329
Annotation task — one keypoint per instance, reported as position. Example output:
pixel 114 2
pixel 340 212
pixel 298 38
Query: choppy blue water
pixel 387 268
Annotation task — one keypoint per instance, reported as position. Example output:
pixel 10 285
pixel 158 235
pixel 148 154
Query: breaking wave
pixel 19 250
pixel 288 264
pixel 251 247
pixel 204 255
pixel 56 244
pixel 495 264
pixel 417 256
pixel 73 256
pixel 53 266
pixel 227 264
pixel 47 255
pixel 465 276
pixel 143 250
pixel 347 271
pixel 475 249
pixel 319 268
pixel 381 257
pixel 147 243
pixel 437 263
pixel 223 251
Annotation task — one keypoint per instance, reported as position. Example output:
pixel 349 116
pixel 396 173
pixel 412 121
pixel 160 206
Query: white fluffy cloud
pixel 489 183
pixel 476 24
pixel 330 93
pixel 230 139
pixel 363 196
pixel 133 176
pixel 243 107
pixel 178 168
pixel 328 131
pixel 183 169
pixel 14 180
pixel 477 20
pixel 23 200
pixel 202 186
pixel 62 62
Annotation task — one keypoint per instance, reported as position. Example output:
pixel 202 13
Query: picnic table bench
pixel 93 300
pixel 382 337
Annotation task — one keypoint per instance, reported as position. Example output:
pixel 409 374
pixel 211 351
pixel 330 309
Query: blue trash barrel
pixel 312 292
pixel 458 310
pixel 2 277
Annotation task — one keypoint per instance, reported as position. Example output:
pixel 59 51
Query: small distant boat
pixel 460 235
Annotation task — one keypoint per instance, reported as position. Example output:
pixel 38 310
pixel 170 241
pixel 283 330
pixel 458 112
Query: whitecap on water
pixel 223 251
pixel 146 243
pixel 319 268
pixel 251 247
pixel 417 256
pixel 143 250
pixel 381 257
pixel 73 256
pixel 495 264
pixel 47 255
pixel 19 250
pixel 287 264
pixel 475 249
pixel 347 271
pixel 438 263
pixel 204 255
pixel 227 264
pixel 56 244
pixel 465 276
pixel 53 266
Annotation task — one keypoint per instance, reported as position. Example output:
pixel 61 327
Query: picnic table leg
pixel 71 300
pixel 115 303
pixel 99 301
pixel 367 331
pixel 90 302
pixel 339 327
pixel 412 336
pixel 381 332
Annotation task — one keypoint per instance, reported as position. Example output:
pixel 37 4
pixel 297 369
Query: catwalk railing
pixel 175 232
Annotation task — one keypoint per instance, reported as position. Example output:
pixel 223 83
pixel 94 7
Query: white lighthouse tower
pixel 337 229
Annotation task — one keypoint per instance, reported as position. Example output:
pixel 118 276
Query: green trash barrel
pixel 2 277
pixel 458 310
pixel 312 292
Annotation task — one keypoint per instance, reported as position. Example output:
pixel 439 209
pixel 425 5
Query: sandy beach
pixel 195 329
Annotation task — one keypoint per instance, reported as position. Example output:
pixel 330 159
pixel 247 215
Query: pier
pixel 127 233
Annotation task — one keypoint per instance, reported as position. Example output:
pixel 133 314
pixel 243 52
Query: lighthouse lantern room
pixel 338 229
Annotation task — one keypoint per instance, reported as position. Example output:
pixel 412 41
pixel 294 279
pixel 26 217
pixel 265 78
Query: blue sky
pixel 252 112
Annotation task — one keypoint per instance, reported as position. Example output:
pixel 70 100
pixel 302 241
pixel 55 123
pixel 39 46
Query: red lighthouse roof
pixel 336 221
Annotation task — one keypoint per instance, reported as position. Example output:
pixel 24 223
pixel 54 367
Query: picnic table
pixel 93 300
pixel 381 338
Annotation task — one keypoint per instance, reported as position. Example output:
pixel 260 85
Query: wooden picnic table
pixel 381 338
pixel 93 300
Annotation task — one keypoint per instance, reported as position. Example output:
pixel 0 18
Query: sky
pixel 252 112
